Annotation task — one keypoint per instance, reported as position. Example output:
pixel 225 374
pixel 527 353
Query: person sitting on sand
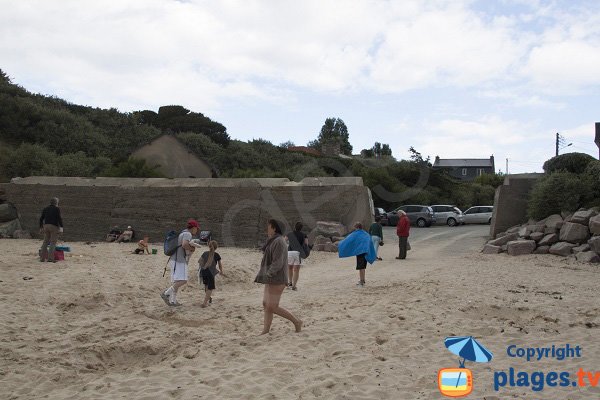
pixel 143 246
pixel 126 236
pixel 114 234
pixel 273 274
pixel 207 270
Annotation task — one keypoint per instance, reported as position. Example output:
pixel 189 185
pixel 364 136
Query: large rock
pixel 542 250
pixel 520 247
pixel 322 240
pixel 548 240
pixel 561 249
pixel 583 247
pixel 21 234
pixel 504 239
pixel 331 247
pixel 513 229
pixel 595 244
pixel 537 236
pixel 574 233
pixel 548 231
pixel 525 231
pixel 491 249
pixel 7 229
pixel 583 217
pixel 553 220
pixel 8 212
pixel 330 229
pixel 594 225
pixel 588 256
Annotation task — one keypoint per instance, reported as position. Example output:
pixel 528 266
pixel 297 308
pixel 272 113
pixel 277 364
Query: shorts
pixel 294 258
pixel 178 271
pixel 361 261
pixel 139 251
pixel 208 278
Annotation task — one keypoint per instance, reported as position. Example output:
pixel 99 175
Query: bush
pixel 133 168
pixel 560 191
pixel 569 162
pixel 493 180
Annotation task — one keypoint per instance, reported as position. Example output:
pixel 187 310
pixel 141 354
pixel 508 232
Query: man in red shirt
pixel 402 230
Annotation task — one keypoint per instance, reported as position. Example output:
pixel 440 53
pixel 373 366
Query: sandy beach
pixel 95 327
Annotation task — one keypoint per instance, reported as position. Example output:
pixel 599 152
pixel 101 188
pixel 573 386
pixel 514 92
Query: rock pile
pixel 564 235
pixel 9 222
pixel 327 235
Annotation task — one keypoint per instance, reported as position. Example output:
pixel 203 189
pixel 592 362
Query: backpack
pixel 170 246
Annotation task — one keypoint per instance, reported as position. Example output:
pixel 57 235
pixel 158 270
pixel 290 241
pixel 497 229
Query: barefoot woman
pixel 273 274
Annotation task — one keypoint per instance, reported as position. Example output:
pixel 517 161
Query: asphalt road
pixel 442 241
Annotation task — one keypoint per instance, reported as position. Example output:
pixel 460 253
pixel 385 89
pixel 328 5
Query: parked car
pixel 447 214
pixel 478 215
pixel 382 214
pixel 417 214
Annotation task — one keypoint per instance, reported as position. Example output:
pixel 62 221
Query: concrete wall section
pixel 510 202
pixel 235 210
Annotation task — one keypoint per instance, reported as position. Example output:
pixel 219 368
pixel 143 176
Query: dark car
pixel 382 214
pixel 417 214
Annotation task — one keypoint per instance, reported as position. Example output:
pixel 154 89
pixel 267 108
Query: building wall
pixel 472 172
pixel 235 210
pixel 510 202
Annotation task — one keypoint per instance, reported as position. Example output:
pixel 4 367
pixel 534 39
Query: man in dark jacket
pixel 50 225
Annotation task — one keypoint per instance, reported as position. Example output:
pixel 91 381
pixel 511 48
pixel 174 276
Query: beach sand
pixel 95 327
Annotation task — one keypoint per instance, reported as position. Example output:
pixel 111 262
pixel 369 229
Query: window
pixel 480 171
pixel 464 172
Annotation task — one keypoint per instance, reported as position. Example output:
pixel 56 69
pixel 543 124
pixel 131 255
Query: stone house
pixel 466 169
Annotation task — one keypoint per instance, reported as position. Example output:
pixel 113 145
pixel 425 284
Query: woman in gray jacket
pixel 273 274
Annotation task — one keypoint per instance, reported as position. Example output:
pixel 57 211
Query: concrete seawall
pixel 235 210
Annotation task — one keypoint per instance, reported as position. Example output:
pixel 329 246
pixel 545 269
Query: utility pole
pixel 557 141
pixel 507 166
pixel 560 141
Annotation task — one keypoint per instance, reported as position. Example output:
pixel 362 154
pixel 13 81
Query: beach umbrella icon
pixel 467 348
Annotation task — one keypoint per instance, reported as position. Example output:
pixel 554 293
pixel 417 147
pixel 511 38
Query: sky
pixel 454 79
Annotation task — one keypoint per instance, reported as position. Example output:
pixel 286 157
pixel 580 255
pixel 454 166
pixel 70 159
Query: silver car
pixel 479 215
pixel 447 214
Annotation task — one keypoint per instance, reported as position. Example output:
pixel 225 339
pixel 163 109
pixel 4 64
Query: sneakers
pixel 288 286
pixel 360 284
pixel 294 288
pixel 165 298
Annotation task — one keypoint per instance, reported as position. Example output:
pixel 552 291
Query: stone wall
pixel 235 210
pixel 510 202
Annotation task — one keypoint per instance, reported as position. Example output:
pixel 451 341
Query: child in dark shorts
pixel 207 270
pixel 361 266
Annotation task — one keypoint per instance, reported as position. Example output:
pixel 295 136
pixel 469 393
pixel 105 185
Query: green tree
pixel 568 162
pixel 335 130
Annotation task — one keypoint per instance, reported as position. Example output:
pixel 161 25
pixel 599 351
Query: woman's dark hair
pixel 298 226
pixel 275 225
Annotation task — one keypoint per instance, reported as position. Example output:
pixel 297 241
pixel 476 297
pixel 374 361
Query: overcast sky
pixel 458 79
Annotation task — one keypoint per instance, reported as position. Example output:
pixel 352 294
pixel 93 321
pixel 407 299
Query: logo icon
pixel 458 382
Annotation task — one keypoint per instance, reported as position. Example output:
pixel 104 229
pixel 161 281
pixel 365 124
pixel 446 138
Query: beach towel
pixel 357 242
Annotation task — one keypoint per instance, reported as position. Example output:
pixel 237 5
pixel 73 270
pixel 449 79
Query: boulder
pixel 566 215
pixel 321 240
pixel 330 247
pixel 561 249
pixel 537 236
pixel 594 225
pixel 503 248
pixel 513 229
pixel 21 234
pixel 336 239
pixel 595 244
pixel 7 229
pixel 330 229
pixel 548 240
pixel 542 250
pixel 491 249
pixel 583 217
pixel 559 225
pixel 588 256
pixel 552 220
pixel 539 228
pixel 318 247
pixel 548 231
pixel 525 231
pixel 574 233
pixel 8 212
pixel 520 247
pixel 583 247
pixel 504 239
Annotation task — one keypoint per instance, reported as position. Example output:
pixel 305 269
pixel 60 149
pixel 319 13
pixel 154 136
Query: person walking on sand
pixel 207 270
pixel 297 241
pixel 376 232
pixel 179 263
pixel 358 243
pixel 273 274
pixel 51 225
pixel 402 230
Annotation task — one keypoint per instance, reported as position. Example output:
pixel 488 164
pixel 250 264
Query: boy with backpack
pixel 178 261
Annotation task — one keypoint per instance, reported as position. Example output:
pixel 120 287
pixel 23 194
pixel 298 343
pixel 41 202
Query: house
pixel 598 138
pixel 173 159
pixel 466 169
